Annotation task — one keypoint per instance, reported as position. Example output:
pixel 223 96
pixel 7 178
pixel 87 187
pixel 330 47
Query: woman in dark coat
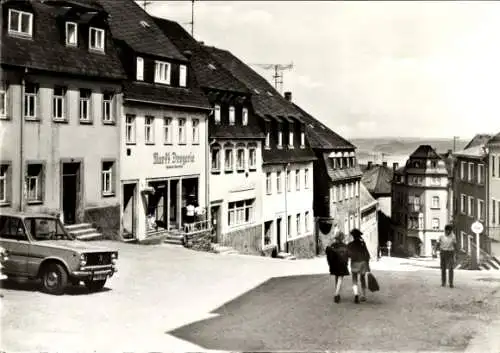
pixel 360 257
pixel 337 257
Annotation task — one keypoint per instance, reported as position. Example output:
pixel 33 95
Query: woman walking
pixel 360 258
pixel 337 257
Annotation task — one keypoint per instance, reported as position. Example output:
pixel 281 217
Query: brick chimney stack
pixel 369 165
pixel 288 96
pixel 395 166
pixel 384 164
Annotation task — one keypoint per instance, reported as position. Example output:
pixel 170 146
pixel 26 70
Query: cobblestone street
pixel 167 298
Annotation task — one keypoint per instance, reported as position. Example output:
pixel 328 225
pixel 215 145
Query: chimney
pixel 395 166
pixel 369 165
pixel 384 164
pixel 187 54
pixel 288 96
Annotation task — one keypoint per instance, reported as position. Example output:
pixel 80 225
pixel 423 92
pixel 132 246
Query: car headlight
pixel 114 257
pixel 83 260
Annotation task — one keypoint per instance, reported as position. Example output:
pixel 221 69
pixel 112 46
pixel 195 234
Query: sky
pixel 368 69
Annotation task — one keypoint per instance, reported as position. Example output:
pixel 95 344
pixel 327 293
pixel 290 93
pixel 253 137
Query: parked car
pixel 39 247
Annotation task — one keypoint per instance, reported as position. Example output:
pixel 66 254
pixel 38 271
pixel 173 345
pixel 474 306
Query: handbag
pixel 372 283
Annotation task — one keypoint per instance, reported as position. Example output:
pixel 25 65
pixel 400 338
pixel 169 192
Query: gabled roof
pixel 209 73
pixel 321 136
pixel 378 180
pixel 425 151
pixel 478 140
pixel 47 52
pixel 365 198
pixel 495 139
pixel 472 152
pixel 131 24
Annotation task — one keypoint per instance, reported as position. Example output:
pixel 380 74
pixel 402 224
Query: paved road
pixel 165 298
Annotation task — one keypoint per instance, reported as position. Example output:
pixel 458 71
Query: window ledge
pixel 60 120
pixel 240 170
pixel 4 204
pixel 167 143
pixel 195 143
pixel 130 143
pixel 182 143
pixel 108 194
pixel 86 122
pixel 21 35
pixel 215 172
pixel 435 208
pixel 149 143
pixel 228 171
pixel 34 202
pixel 97 51
pixel 252 169
pixel 33 119
pixel 5 117
pixel 267 148
pixel 109 122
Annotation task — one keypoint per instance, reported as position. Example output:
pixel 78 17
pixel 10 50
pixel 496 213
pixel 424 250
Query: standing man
pixel 360 266
pixel 447 245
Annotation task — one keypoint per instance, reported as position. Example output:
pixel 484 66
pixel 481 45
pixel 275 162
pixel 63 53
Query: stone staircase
pixel 487 262
pixel 174 239
pixel 84 231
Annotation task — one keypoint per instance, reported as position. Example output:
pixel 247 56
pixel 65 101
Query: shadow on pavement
pixel 34 286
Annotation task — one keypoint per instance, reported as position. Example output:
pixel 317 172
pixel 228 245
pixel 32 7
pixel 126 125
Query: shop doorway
pixel 278 234
pixel 129 210
pixel 70 191
pixel 216 223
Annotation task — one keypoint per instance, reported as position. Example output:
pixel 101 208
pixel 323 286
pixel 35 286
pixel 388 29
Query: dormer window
pixel 268 139
pixel 232 115
pixel 217 114
pixel 182 75
pixel 302 139
pixel 280 139
pixel 244 116
pixel 96 38
pixel 71 34
pixel 139 69
pixel 162 72
pixel 20 22
pixel 290 137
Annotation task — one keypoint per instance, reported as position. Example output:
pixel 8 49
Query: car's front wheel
pixel 95 286
pixel 54 279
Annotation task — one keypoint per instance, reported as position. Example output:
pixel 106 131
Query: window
pixel 470 176
pixel 232 115
pixel 298 224
pixel 493 211
pixel 30 100
pixel 182 75
pixel 167 131
pixel 130 129
pixel 252 158
pixel 480 209
pixel 493 166
pixel 3 100
pixel 462 170
pixel 356 220
pixel 306 178
pixel 216 158
pixel 463 203
pixel 58 103
pixel 107 178
pixel 289 226
pixel 149 130
pixel 20 22
pixel 269 183
pixel 139 69
pixel 435 202
pixel 12 228
pixel 480 173
pixel 302 139
pixel 71 34
pixel 182 131
pixel 290 137
pixel 244 117
pixel 240 212
pixel 34 183
pixel 335 193
pixel 357 188
pixel 268 140
pixel 228 158
pixel 280 139
pixel 107 107
pixel 297 179
pixel 306 221
pixel 217 114
pixel 96 38
pixel 471 206
pixel 240 159
pixel 85 104
pixel 4 184
pixel 435 224
pixel 162 72
pixel 196 131
pixel 346 191
pixel 278 182
pixel 288 182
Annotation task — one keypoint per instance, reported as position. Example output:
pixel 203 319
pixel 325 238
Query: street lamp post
pixel 287 181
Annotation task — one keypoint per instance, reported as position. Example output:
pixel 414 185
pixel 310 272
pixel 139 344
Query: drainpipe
pixel 287 181
pixel 21 144
pixel 207 175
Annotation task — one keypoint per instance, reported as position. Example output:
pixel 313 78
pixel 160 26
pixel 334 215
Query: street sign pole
pixel 477 228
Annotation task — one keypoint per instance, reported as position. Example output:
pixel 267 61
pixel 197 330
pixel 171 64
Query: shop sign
pixel 172 159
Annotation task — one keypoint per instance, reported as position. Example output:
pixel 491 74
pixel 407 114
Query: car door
pixel 13 238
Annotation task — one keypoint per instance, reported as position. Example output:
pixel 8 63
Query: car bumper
pixel 94 274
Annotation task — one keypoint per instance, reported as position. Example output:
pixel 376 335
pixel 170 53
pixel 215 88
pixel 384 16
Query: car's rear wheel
pixel 54 279
pixel 95 286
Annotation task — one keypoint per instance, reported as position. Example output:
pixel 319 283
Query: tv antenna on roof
pixel 191 23
pixel 278 73
pixel 145 4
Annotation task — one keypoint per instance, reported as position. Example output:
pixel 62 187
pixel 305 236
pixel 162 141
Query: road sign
pixel 477 227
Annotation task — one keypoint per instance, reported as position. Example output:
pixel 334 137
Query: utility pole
pixel 192 18
pixel 278 73
pixel 145 4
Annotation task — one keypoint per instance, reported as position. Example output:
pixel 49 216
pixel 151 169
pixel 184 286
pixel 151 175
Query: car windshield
pixel 46 229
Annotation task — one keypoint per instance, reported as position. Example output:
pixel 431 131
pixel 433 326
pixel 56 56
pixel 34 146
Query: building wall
pixel 346 211
pixel 494 191
pixel 49 142
pixel 290 203
pixel 385 205
pixel 369 228
pixel 160 161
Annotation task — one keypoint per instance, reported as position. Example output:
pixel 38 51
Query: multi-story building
pixel 470 188
pixel 235 140
pixel 337 179
pixel 369 210
pixel 60 97
pixel 164 135
pixel 420 202
pixel 493 192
